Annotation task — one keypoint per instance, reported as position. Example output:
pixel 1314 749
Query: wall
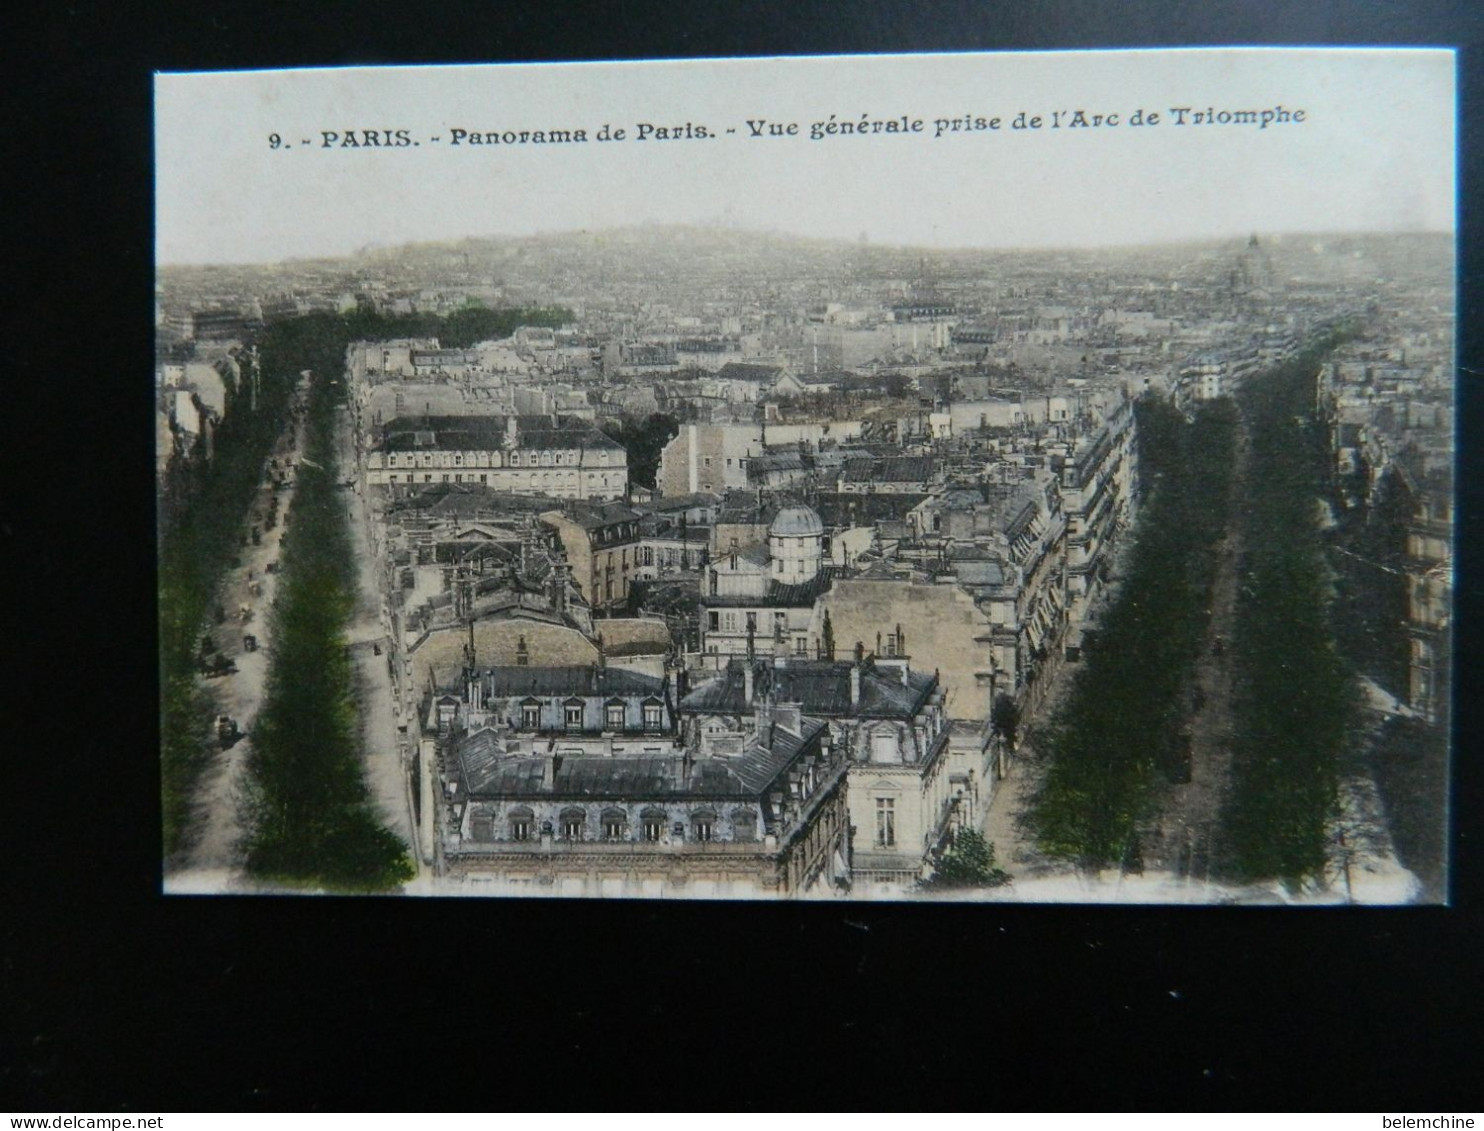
pixel 944 628
pixel 496 643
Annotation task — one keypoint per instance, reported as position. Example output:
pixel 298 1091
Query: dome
pixel 796 522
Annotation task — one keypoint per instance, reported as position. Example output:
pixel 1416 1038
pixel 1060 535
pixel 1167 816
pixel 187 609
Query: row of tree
pixel 1295 705
pixel 310 816
pixel 1119 735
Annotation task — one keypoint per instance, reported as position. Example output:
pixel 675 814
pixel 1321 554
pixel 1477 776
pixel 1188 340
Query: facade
pixel 554 456
pixel 1097 494
pixel 708 457
pixel 1429 565
pixel 602 546
pixel 891 723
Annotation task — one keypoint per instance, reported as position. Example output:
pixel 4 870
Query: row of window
pixel 458 477
pixel 544 459
pixel 572 825
pixel 572 715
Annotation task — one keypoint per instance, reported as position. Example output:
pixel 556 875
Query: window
pixel 530 715
pixel 615 824
pixel 654 824
pixel 744 826
pixel 801 646
pixel 614 714
pixel 713 621
pixel 482 826
pixel 572 714
pixel 653 716
pixel 886 822
pixel 520 824
pixel 648 555
pixel 703 826
pixel 573 823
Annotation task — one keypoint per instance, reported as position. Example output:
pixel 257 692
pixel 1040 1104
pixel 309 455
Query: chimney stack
pixel 855 683
pixel 747 678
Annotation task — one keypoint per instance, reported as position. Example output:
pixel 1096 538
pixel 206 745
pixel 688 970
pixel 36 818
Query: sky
pixel 1374 151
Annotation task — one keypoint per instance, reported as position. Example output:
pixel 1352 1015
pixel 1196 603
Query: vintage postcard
pixel 1001 477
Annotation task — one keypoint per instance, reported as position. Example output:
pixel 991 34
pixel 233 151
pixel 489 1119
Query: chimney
pixel 855 682
pixel 747 678
pixel 789 718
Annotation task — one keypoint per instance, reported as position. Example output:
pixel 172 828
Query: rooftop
pixel 820 687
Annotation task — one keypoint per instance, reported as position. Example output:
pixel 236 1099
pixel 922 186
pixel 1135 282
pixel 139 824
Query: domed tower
pixel 796 545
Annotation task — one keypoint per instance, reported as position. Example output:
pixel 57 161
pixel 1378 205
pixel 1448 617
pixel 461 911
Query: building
pixel 554 456
pixel 769 820
pixel 587 710
pixel 890 722
pixel 760 601
pixel 602 544
pixel 708 457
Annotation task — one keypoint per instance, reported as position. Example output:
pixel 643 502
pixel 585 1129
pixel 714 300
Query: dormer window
pixel 654 824
pixel 654 715
pixel 572 714
pixel 530 715
pixel 613 715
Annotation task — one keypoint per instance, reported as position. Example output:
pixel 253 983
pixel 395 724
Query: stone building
pixel 555 456
pixel 601 542
pixel 769 820
pixel 761 600
pixel 906 794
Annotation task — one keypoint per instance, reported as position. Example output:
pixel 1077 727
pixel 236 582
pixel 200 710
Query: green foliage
pixel 309 813
pixel 1120 725
pixel 644 440
pixel 1005 718
pixel 968 863
pixel 1296 702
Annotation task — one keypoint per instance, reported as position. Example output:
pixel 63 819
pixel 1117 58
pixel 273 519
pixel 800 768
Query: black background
pixel 117 998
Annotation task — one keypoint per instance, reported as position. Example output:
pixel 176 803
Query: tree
pixel 1005 718
pixel 968 863
pixel 827 637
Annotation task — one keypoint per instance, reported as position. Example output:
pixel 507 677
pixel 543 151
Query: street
pixel 213 862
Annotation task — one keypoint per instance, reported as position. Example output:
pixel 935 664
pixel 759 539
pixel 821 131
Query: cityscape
pixel 700 561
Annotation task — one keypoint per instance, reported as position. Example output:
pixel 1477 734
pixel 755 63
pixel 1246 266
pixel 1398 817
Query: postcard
pixel 1016 477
